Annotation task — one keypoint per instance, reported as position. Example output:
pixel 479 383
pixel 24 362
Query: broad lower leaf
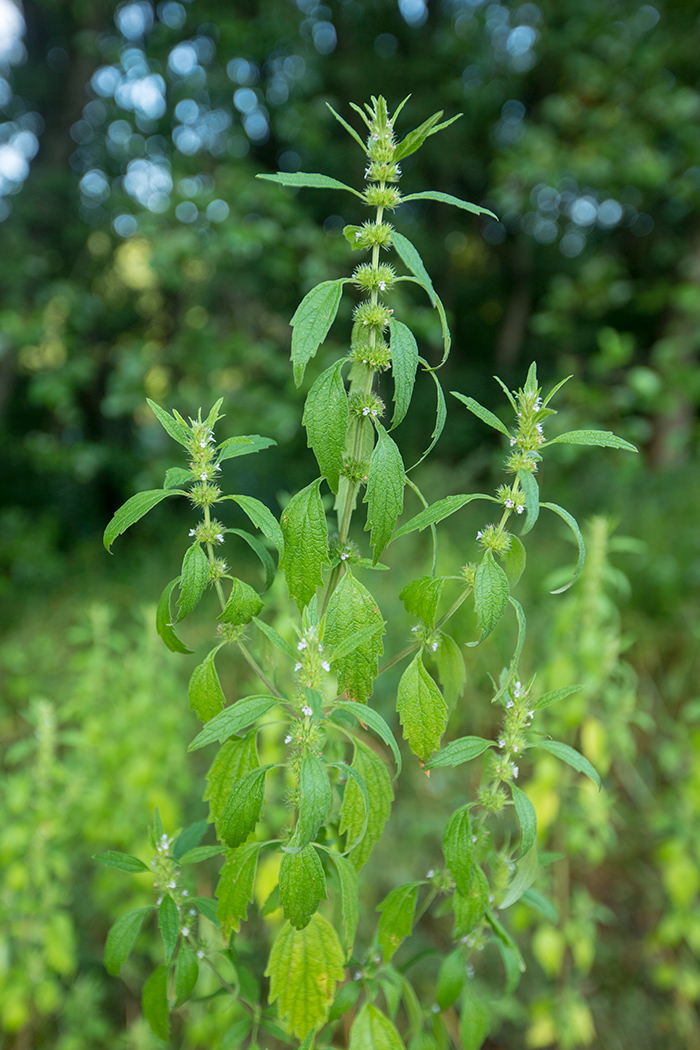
pixel 186 974
pixel 205 693
pixel 234 760
pixel 573 525
pixel 235 888
pixel 483 413
pixel 242 445
pixel 404 365
pixel 525 874
pixel 164 621
pixel 457 845
pixel 242 810
pixel 302 885
pixel 305 543
pixel 308 179
pixel 154 1002
pixel 326 421
pixel 451 978
pixel 122 938
pixel 422 709
pixel 602 438
pixel 572 757
pixel 176 477
pixel 121 861
pixel 490 594
pixel 527 818
pixel 233 719
pixel 351 610
pixel 314 798
pixel 531 489
pixel 396 921
pixel 555 695
pixel 352 813
pixel 372 720
pixel 409 255
pixel 134 509
pixel 372 1030
pixel 451 670
pixel 514 561
pixel 437 512
pixel 262 553
pixel 464 749
pixel 176 428
pixel 470 906
pixel 311 321
pixel 169 925
pixel 421 598
pixel 193 579
pixel 243 604
pixel 384 495
pixel 263 518
pixel 303 969
pixel 475 1021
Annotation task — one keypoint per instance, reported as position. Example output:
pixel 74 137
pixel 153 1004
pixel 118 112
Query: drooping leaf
pixel 164 621
pixel 421 708
pixel 447 198
pixel 263 518
pixel 347 879
pixel 242 810
pixel 384 495
pixel 122 937
pixel 169 925
pixel 311 322
pixel 464 749
pixel 302 885
pixel 205 693
pixel 396 921
pixel 303 969
pixel 422 596
pixel 243 603
pixel 572 757
pixel 470 906
pixel 451 670
pixel 602 438
pixel 451 978
pixel 483 413
pixel 242 445
pixel 573 525
pixel 404 365
pixel 175 427
pixel 353 609
pixel 475 1021
pixel 234 759
pixel 531 489
pixel 373 720
pixel 154 1002
pixel 525 874
pixel 514 561
pixel 235 887
pixel 522 627
pixel 121 861
pixel 193 579
pixel 457 845
pixel 326 420
pixel 527 817
pixel 352 813
pixel 133 510
pixel 262 553
pixel 186 974
pixel 554 695
pixel 233 719
pixel 308 179
pixel 437 512
pixel 372 1030
pixel 490 594
pixel 409 255
pixel 314 798
pixel 305 543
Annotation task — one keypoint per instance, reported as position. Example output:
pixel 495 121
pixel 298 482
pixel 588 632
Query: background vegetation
pixel 139 258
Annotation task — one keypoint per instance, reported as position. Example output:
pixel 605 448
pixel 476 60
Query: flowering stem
pixel 252 662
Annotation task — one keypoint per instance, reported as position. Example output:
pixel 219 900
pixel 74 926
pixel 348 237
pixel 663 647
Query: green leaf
pixel 242 445
pixel 261 517
pixel 350 130
pixel 310 180
pixel 554 695
pixel 315 798
pixel 397 913
pixel 527 818
pixel 437 512
pixel 235 887
pixel 243 604
pixel 275 638
pixel 176 428
pixel 525 875
pixel 451 978
pixel 483 413
pixel 352 610
pixel 353 817
pixel 302 885
pixel 531 489
pixel 457 845
pixel 602 438
pixel 422 709
pixel 169 925
pixel 470 907
pixel 347 879
pixel 176 477
pixel 540 904
pixel 572 757
pixel 303 969
pixel 193 579
pixel 464 749
pixel 200 853
pixel 372 1030
pixel 474 1021
pixel 415 139
pixel 164 621
pixel 326 421
pixel 490 594
pixel 451 670
pixel 122 938
pixel 503 936
pixel 367 716
pixel 510 964
pixel 242 810
pixel 311 322
pixel 531 387
pixel 522 627
pixel 206 907
pixel 404 364
pixel 234 760
pixel 409 255
pixel 447 198
pixel 186 974
pixel 305 543
pixel 384 495
pixel 205 693
pixel 188 838
pixel 134 509
pixel 262 553
pixel 573 525
pixel 353 642
pixel 154 1002
pixel 421 598
pixel 514 561
pixel 233 719
pixel 121 861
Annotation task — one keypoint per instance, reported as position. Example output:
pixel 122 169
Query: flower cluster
pixel 311 665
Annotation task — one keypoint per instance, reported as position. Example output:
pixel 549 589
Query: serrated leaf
pixel 310 180
pixel 193 579
pixel 372 1030
pixel 261 517
pixel 572 757
pixel 169 925
pixel 122 937
pixel 242 605
pixel 242 445
pixel 470 907
pixel 315 798
pixel 573 525
pixel 525 874
pixel 373 720
pixel 457 846
pixel 133 510
pixel 176 428
pixel 438 512
pixel 121 861
pixel 188 838
pixel 410 256
pixel 451 670
pixel 404 365
pixel 302 885
pixel 447 198
pixel 262 553
pixel 186 974
pixel 514 560
pixel 396 921
pixel 311 322
pixel 234 760
pixel 451 978
pixel 305 543
pixel 474 1022
pixel 421 598
pixel 347 880
pixel 527 818
pixel 176 477
pixel 242 810
pixel 204 691
pixel 483 413
pixel 350 130
pixel 233 719
pixel 154 1002
pixel 235 887
pixel 326 421
pixel 554 695
pixel 531 489
pixel 464 749
pixel 303 969
pixel 602 438
pixel 200 853
pixel 164 621
pixel 384 495
pixel 490 594
pixel 352 609
pixel 352 813
pixel 276 638
pixel 421 708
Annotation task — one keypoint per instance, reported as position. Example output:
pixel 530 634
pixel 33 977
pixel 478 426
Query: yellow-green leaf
pixel 352 814
pixel 234 759
pixel 302 885
pixel 372 1030
pixel 353 609
pixel 235 887
pixel 303 969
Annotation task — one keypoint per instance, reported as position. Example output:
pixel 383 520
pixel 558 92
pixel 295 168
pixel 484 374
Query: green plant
pixel 329 792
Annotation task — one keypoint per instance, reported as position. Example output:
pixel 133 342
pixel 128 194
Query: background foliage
pixel 141 259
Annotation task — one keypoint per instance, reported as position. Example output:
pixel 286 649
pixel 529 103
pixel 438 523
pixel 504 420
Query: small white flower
pixel 515 749
pixel 306 710
pixel 302 644
pixel 416 628
pixel 200 954
pixel 512 441
pixel 382 285
pixel 538 428
pixel 153 863
pixel 357 976
pixel 531 714
pixel 357 235
pixel 192 911
pixel 501 742
pixel 219 537
pixel 344 556
pixel 185 893
pixel 203 443
pixel 516 770
pixel 374 412
pixel 325 665
pixel 288 738
pixel 520 510
pixel 435 1008
pixel 510 503
pixel 491 898
pixel 193 532
pixel 538 404
pixel 172 884
pixel 365 411
pixel 429 874
pixel 479 534
pixel 297 667
pixel 470 970
pixel 509 703
pixel 473 838
pixel 185 931
pixel 204 476
pixel 159 900
pixel 320 648
pixel 434 646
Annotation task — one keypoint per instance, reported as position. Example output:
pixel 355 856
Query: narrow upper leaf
pixel 571 756
pixel 326 420
pixel 384 495
pixel 347 878
pixel 169 925
pixel 242 810
pixel 276 638
pixel 134 509
pixel 437 512
pixel 483 413
pixel 350 130
pixel 233 719
pixel 554 695
pixel 457 846
pixel 451 670
pixel 464 749
pixel 262 553
pixel 514 560
pixel 242 445
pixel 404 365
pixel 531 489
pixel 262 517
pixel 164 620
pixel 447 198
pixel 525 874
pixel 176 477
pixel 602 438
pixel 186 974
pixel 527 818
pixel 315 798
pixel 409 255
pixel 305 543
pixel 308 179
pixel 573 525
pixel 373 720
pixel 177 429
pixel 421 708
pixel 311 322
pixel 121 861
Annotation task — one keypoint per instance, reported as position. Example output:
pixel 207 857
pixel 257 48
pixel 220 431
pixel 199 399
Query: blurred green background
pixel 141 259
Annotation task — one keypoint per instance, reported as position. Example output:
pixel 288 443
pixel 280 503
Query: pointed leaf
pixel 243 604
pixel 529 485
pixel 447 198
pixel 437 512
pixel 540 904
pixel 164 621
pixel 275 638
pixel 242 445
pixel 464 749
pixel 351 610
pixel 205 693
pixel 134 509
pixel 305 543
pixel 347 879
pixel 311 322
pixel 233 719
pixel 457 846
pixel 415 139
pixel 263 518
pixel 514 561
pixel 572 757
pixel 555 695
pixel 350 130
pixel 200 853
pixel 422 596
pixel 315 798
pixel 303 969
pixel 206 907
pixel 490 594
pixel 234 760
pixel 483 413
pixel 409 255
pixel 186 974
pixel 262 553
pixel 422 709
pixel 372 719
pixel 176 477
pixel 451 979
pixel 404 364
pixel 235 888
pixel 154 1002
pixel 352 813
pixel 310 179
pixel 397 913
pixel 122 938
pixel 188 838
pixel 372 1030
pixel 242 810
pixel 121 861
pixel 193 579
pixel 573 525
pixel 451 670
pixel 169 925
pixel 176 428
pixel 302 885
pixel 527 818
pixel 470 906
pixel 525 874
pixel 326 421
pixel 503 935
pixel 475 1021
pixel 384 495
pixel 602 438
